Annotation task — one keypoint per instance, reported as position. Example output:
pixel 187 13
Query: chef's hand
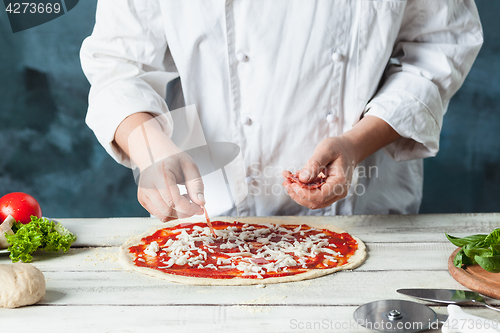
pixel 162 166
pixel 158 191
pixel 337 157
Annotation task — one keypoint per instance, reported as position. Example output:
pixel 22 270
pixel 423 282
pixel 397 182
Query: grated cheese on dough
pixel 261 250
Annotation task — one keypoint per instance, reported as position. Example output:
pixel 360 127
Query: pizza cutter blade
pixel 396 316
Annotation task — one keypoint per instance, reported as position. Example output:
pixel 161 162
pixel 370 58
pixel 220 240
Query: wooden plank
pixel 370 228
pixel 381 256
pixel 188 319
pixel 107 232
pixel 407 256
pixel 343 288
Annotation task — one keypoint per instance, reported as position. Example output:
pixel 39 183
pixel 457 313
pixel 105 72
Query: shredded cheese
pixel 261 249
pixel 152 249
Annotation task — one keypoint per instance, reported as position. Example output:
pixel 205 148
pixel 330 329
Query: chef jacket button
pixel 246 120
pixel 249 180
pixel 242 57
pixel 336 56
pixel 330 118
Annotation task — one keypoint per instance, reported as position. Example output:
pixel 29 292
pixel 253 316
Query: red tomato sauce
pixel 341 243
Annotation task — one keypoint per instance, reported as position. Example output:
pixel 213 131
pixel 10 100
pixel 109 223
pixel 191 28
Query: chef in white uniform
pixel 323 85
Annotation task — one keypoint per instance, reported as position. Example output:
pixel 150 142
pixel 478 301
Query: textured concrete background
pixel 47 150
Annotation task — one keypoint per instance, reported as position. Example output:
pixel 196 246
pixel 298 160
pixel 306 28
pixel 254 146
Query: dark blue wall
pixel 465 175
pixel 45 147
pixel 47 150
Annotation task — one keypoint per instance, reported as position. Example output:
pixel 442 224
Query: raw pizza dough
pixel 127 258
pixel 20 284
pixel 6 227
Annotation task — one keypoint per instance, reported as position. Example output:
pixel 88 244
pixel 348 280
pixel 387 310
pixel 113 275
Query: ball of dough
pixel 20 284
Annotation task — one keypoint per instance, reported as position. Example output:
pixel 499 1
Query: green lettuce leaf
pixel 24 242
pixel 41 234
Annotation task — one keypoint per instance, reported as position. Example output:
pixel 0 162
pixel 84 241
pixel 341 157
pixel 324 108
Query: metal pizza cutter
pixel 397 316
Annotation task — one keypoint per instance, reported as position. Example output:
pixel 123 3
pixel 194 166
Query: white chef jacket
pixel 277 77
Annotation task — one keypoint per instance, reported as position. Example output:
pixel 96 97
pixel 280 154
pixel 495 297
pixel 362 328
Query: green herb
pixel 491 264
pixel 462 260
pixel 41 234
pixel 460 242
pixel 483 250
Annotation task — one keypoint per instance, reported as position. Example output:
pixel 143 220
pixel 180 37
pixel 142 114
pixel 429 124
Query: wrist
pixel 369 135
pixel 142 138
pixel 352 148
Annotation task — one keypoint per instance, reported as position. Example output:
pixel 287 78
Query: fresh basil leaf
pixel 493 237
pixel 491 264
pixel 472 250
pixel 495 249
pixel 458 260
pixel 461 259
pixel 461 242
pixel 481 249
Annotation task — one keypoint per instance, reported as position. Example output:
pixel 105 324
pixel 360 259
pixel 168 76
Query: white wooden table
pixel 89 291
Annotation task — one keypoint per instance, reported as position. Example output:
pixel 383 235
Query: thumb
pixel 194 183
pixel 322 156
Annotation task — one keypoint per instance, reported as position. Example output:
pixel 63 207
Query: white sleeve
pixel 435 49
pixel 124 61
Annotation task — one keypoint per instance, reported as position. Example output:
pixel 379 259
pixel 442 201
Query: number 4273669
pixel 33 8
